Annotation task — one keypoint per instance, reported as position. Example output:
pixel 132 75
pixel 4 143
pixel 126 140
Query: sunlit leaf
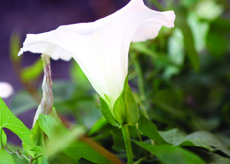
pixel 11 122
pixel 6 158
pixel 204 7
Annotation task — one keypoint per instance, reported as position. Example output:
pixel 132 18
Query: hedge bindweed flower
pixel 5 90
pixel 101 47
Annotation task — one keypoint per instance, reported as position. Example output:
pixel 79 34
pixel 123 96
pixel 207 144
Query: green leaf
pixel 62 90
pixel 175 53
pixel 149 129
pixel 79 78
pixel 199 31
pixel 100 123
pixel 4 137
pixel 6 158
pixel 173 136
pixel 171 154
pixel 14 47
pixel 169 101
pixel 201 139
pixel 84 161
pixel 125 108
pixel 118 140
pixel 204 7
pixel 204 138
pixel 107 112
pixel 81 150
pixel 43 160
pixel 36 142
pixel 143 48
pixel 48 123
pixel 189 43
pixel 11 122
pixel 217 159
pixel 217 43
pixel 59 136
pixel 32 72
pixel 176 47
pixel 22 102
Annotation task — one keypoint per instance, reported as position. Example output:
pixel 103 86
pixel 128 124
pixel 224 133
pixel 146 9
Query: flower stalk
pixel 128 145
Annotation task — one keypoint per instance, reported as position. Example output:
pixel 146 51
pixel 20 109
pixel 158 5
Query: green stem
pixel 128 146
pixel 157 4
pixel 139 136
pixel 1 144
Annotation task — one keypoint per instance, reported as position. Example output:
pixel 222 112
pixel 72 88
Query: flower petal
pixel 101 47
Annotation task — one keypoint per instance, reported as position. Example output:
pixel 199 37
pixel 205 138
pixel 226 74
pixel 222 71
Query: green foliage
pixel 80 150
pixel 59 136
pixel 11 122
pixel 5 157
pixel 200 139
pixel 170 154
pixel 79 78
pixel 32 72
pixel 23 102
pixel 188 38
pixel 180 81
pixel 150 130
pixel 14 47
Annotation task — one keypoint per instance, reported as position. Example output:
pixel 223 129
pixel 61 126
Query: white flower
pixel 101 47
pixel 5 90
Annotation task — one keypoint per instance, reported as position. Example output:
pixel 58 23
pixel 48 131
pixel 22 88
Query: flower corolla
pixel 101 47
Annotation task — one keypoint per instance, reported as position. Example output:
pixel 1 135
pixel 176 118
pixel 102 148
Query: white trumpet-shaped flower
pixel 5 90
pixel 101 47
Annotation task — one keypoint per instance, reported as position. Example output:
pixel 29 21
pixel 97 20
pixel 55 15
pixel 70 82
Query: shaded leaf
pixel 149 129
pixel 171 154
pixel 22 102
pixel 189 43
pixel 81 150
pixel 200 139
pixel 169 101
pixel 59 136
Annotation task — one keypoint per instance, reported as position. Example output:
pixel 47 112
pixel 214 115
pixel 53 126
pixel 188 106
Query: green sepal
pixel 125 108
pixel 119 110
pixel 107 112
pixel 36 142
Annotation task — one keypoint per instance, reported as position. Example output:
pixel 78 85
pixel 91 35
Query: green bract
pixel 125 110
